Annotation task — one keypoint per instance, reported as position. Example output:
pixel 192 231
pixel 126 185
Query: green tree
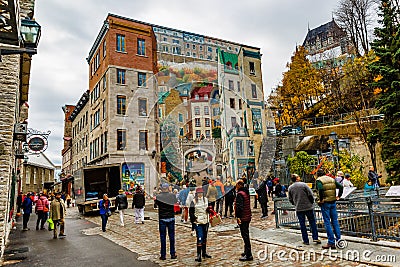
pixel 301 163
pixel 386 71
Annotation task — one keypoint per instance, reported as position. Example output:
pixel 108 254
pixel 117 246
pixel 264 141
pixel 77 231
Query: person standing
pixel 301 196
pixel 243 216
pixel 270 185
pixel 374 177
pixel 339 177
pixel 347 182
pixel 229 197
pixel 262 193
pixel 220 194
pixel 122 204
pixel 27 209
pixel 57 214
pixel 41 209
pixel 182 197
pixel 255 184
pixel 166 220
pixel 199 216
pixel 189 200
pixel 138 203
pixel 212 194
pixel 68 198
pixel 104 206
pixel 326 187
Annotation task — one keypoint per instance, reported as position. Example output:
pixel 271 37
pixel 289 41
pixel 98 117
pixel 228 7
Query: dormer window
pixel 205 97
pixel 196 97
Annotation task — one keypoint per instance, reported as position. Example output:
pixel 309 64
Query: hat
pixel 276 180
pixel 340 173
pixel 199 190
pixel 165 186
pixel 347 175
pixel 120 191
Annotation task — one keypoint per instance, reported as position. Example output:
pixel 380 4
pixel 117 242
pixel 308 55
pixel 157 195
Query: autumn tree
pixel 355 16
pixel 301 89
pixel 386 71
pixel 301 163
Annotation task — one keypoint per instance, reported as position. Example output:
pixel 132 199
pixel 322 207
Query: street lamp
pixel 334 138
pixel 29 35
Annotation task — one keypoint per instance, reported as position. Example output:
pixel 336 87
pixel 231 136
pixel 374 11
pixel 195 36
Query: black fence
pixel 372 216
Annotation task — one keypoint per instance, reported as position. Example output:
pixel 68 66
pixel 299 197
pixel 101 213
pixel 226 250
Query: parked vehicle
pixel 90 183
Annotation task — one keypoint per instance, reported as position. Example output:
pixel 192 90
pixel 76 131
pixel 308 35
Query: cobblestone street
pixel 224 242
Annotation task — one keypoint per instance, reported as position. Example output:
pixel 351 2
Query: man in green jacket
pixel 326 187
pixel 57 214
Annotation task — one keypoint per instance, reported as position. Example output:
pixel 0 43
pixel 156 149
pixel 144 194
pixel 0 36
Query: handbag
pixel 215 218
pixel 108 213
pixel 51 224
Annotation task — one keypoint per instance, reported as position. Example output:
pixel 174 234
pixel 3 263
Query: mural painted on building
pixel 189 72
pixel 132 173
pixel 257 120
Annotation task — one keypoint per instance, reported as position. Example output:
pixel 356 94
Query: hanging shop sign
pixel 37 141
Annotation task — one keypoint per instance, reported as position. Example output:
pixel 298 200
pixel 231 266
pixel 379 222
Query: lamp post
pixel 333 136
pixel 28 39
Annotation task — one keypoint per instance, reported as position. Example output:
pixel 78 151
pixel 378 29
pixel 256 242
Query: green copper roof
pixel 162 96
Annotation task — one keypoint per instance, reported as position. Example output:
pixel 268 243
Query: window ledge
pixel 123 52
pixel 142 55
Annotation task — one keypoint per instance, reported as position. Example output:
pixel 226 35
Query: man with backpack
pixel 41 209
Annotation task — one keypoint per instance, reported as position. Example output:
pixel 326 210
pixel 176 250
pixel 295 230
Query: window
pixel 205 97
pixel 207 122
pixel 120 43
pixel 198 133
pixel 34 176
pixel 233 121
pixel 141 47
pixel 238 86
pixel 197 122
pixel 121 105
pixel 104 110
pixel 104 82
pixel 230 85
pixel 105 142
pixel 206 110
pixel 96 119
pixel 240 103
pixel 252 69
pixel 253 91
pixel 180 117
pixel 194 54
pixel 208 134
pixel 176 50
pixel 174 41
pixel 181 133
pixel 141 79
pixel 120 76
pixel 143 140
pixel 27 175
pixel 187 45
pixel 239 147
pixel 104 49
pixel 121 139
pixel 232 102
pixel 250 148
pixel 196 110
pixel 201 48
pixel 209 49
pixel 196 97
pixel 142 103
pixel 194 46
pixel 216 111
pixel 101 145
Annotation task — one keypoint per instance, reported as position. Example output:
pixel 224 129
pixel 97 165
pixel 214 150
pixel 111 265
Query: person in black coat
pixel 122 204
pixel 263 198
pixel 138 202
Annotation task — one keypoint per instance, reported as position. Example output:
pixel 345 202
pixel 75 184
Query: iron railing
pixel 359 215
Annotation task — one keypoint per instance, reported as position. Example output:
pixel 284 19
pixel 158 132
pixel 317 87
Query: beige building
pixel 37 174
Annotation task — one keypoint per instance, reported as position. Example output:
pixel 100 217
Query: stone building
pixel 37 174
pixel 14 84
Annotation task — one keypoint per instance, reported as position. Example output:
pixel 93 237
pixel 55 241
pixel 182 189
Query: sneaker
pixel 317 241
pixel 162 258
pixel 37 228
pixel 306 243
pixel 142 222
pixel 173 257
pixel 62 235
pixel 25 229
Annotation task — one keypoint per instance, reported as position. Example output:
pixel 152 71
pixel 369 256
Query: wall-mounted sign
pixel 37 141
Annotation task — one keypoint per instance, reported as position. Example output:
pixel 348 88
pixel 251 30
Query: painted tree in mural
pixel 301 89
pixel 386 71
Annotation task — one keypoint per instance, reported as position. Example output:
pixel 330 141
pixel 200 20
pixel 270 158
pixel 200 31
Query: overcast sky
pixel 59 72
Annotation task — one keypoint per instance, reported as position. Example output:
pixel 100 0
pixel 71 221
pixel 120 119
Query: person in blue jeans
pixel 326 187
pixel 166 220
pixel 301 196
pixel 104 206
pixel 27 208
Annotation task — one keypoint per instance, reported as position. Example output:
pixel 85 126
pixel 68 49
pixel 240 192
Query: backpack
pixel 269 183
